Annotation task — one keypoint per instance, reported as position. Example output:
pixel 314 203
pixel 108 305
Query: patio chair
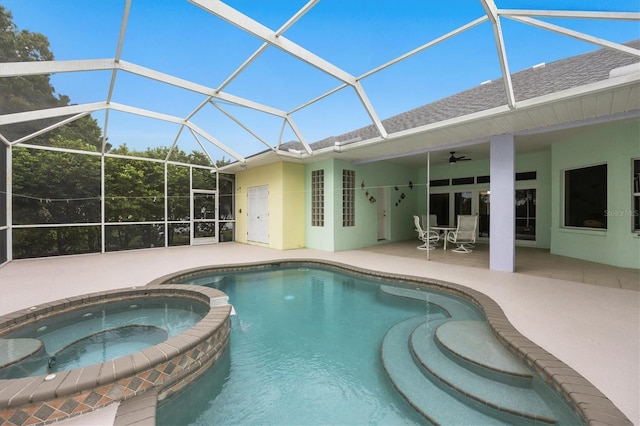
pixel 429 239
pixel 433 220
pixel 464 237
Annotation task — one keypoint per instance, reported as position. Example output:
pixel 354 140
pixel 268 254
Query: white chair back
pixel 467 226
pixel 416 221
pixel 433 220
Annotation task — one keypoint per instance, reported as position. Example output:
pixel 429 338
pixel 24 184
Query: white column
pixel 502 206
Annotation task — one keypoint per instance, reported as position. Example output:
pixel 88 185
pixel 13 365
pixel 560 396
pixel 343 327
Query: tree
pixel 34 92
pixel 59 187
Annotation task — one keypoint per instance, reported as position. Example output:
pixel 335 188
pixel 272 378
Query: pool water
pixel 103 332
pixel 319 346
pixel 304 349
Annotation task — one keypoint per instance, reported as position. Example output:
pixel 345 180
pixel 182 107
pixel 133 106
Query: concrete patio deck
pixel 574 310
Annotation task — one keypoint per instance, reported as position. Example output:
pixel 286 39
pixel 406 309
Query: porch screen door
pixel 203 222
pixel 258 214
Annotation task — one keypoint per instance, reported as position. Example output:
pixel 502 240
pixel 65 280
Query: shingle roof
pixel 527 84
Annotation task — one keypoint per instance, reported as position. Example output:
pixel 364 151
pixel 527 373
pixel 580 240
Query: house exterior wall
pixel 369 178
pixel 320 237
pixel 615 144
pixel 286 206
pixel 540 162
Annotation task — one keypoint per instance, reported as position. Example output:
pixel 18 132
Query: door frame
pixel 194 221
pixel 262 237
pixel 382 195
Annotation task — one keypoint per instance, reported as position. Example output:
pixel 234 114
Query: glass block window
pixel 348 198
pixel 317 198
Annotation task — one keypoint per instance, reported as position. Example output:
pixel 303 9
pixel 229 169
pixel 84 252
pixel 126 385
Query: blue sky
pixel 176 37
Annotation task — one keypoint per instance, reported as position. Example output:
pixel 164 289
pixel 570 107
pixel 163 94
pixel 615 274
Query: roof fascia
pixel 565 95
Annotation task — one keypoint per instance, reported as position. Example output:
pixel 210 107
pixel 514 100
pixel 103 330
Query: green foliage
pixel 57 187
pixel 33 92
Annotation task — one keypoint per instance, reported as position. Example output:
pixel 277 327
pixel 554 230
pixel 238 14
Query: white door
pixel 258 214
pixel 383 225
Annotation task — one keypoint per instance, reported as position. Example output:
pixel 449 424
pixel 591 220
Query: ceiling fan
pixel 453 159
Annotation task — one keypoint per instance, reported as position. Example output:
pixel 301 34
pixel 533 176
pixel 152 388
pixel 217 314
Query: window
pixel 439 182
pixel 461 205
pixel 526 176
pixel 585 197
pixel 636 196
pixel 439 205
pixel 463 181
pixel 348 197
pixel 526 214
pixel 317 198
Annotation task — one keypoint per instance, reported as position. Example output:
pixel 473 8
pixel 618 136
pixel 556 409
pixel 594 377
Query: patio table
pixel 445 230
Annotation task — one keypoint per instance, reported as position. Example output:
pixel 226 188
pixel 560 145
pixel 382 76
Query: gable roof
pixel 530 83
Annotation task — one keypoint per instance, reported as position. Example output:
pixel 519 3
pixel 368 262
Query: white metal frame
pixel 269 38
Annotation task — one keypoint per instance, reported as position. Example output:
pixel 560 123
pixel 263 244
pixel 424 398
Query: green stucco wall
pixel 370 179
pixel 540 162
pixel 615 144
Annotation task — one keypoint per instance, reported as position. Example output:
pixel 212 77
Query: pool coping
pixel 587 401
pixel 42 400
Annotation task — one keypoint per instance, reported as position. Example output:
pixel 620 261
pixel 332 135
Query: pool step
pixel 517 402
pixel 423 394
pixel 457 309
pixel 473 345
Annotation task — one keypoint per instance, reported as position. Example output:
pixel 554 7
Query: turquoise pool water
pixel 102 332
pixel 305 349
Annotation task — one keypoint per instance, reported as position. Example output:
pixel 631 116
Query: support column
pixel 502 208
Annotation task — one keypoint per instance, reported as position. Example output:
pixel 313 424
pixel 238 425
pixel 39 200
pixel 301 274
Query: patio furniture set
pixel 463 235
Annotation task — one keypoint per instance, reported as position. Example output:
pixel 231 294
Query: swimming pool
pixel 316 345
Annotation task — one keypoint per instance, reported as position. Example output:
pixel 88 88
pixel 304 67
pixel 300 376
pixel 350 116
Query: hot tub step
pixel 516 402
pixel 424 395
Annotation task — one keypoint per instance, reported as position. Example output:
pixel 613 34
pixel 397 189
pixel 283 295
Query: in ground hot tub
pixel 75 355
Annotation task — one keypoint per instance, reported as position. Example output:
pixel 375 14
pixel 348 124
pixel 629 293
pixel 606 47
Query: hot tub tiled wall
pixel 164 368
pixel 586 400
